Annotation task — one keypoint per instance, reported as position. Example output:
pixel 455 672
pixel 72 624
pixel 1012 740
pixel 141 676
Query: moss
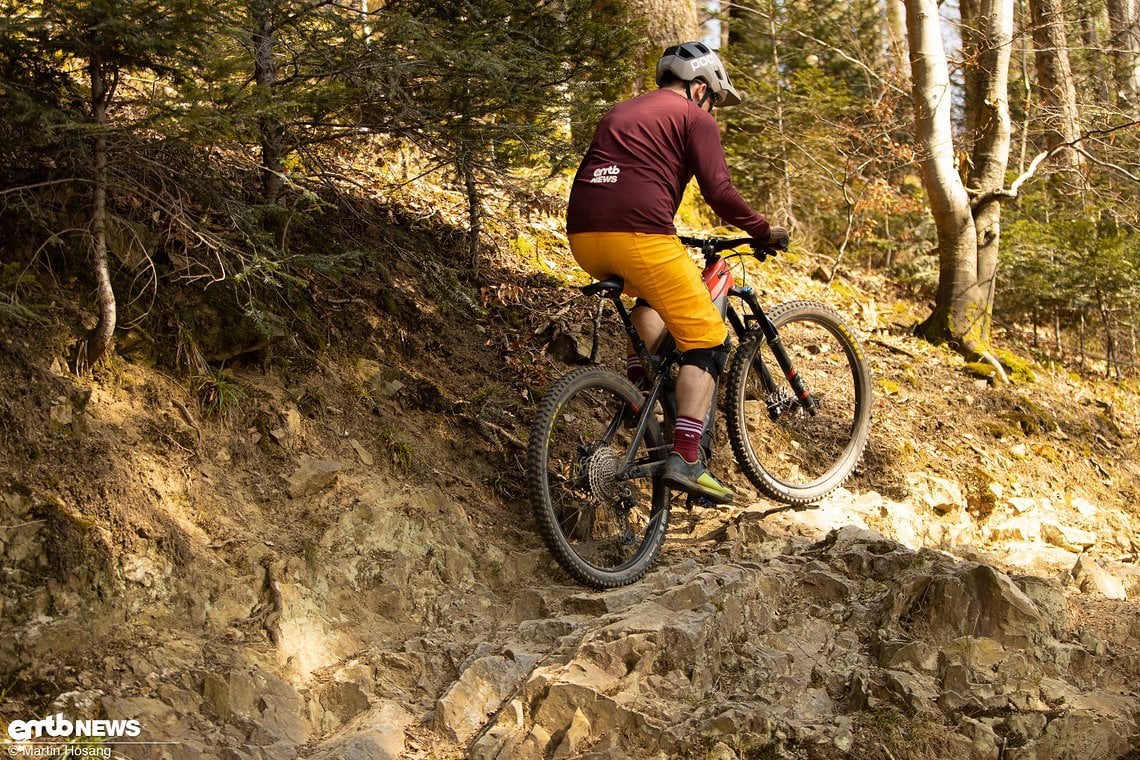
pixel 847 291
pixel 980 498
pixel 1030 417
pixel 981 370
pixel 1029 423
pixel 523 248
pixel 1000 429
pixel 1050 453
pixel 1019 369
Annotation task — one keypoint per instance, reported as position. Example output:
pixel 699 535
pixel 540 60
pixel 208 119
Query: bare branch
pixel 838 51
pixel 1107 164
pixel 985 196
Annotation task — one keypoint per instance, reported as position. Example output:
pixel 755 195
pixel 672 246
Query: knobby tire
pixel 799 458
pixel 596 538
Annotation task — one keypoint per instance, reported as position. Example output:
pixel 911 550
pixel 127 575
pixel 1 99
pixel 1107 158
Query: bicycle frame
pixel 657 366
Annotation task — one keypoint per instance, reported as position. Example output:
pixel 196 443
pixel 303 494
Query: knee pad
pixel 711 360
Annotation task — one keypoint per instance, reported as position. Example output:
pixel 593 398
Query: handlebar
pixel 714 245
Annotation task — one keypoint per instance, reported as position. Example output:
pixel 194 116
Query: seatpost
pixel 639 346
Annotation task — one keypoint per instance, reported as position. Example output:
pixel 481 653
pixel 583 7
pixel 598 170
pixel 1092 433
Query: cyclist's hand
pixel 778 239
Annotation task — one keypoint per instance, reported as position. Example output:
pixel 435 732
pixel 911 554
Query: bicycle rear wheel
pixel 603 531
pixel 798 457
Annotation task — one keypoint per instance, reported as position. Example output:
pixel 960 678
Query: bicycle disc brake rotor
pixel 601 471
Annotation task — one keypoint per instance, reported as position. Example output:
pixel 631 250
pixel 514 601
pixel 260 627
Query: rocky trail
pixel 342 565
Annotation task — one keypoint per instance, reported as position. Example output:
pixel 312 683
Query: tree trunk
pixel 1091 21
pixel 474 210
pixel 1124 28
pixel 1110 361
pixel 1055 79
pixel 785 176
pixel 958 297
pixel 92 347
pixel 1081 339
pixel 1027 93
pixel 990 124
pixel 1058 347
pixel 966 271
pixel 970 11
pixel 270 130
pixel 896 40
pixel 667 22
pixel 1132 337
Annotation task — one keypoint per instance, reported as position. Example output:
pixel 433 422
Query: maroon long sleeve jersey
pixel 643 155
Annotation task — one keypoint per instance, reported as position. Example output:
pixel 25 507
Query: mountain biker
pixel 620 222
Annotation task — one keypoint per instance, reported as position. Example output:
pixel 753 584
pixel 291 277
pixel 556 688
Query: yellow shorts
pixel 658 269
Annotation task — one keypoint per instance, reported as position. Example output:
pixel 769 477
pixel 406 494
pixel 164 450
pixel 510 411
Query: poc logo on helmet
pixel 700 63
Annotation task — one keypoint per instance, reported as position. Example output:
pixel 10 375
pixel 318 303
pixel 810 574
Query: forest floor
pixel 303 515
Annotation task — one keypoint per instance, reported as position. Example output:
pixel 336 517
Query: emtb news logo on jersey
pixel 607 175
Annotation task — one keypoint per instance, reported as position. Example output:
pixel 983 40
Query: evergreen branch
pixel 35 185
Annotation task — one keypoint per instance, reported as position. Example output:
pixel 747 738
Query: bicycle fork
pixel 804 398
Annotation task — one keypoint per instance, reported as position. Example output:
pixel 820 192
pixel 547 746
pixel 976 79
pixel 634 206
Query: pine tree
pixel 108 40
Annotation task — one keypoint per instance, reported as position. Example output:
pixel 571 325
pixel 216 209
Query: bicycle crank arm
pixel 647 470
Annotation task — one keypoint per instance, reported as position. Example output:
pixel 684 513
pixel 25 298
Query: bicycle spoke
pixel 800 455
pixel 603 530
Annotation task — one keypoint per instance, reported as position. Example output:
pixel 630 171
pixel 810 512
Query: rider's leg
pixel 659 269
pixel 695 389
pixel 694 392
pixel 696 386
pixel 650 327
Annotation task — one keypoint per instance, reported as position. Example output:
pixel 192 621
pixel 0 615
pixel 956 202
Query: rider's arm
pixel 705 155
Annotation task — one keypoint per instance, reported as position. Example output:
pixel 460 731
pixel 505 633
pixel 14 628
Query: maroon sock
pixel 633 369
pixel 687 434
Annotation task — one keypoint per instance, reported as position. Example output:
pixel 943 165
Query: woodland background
pixel 306 262
pixel 239 148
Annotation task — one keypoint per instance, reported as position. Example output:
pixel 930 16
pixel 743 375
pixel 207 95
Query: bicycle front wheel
pixel 790 454
pixel 604 531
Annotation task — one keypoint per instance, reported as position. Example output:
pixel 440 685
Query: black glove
pixel 778 239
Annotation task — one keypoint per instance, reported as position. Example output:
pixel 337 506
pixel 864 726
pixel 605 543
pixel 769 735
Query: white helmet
pixel 695 60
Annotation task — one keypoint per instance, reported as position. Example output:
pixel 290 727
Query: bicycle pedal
pixel 692 500
pixel 704 503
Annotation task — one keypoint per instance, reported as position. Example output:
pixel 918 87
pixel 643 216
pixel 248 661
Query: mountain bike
pixel 797 406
